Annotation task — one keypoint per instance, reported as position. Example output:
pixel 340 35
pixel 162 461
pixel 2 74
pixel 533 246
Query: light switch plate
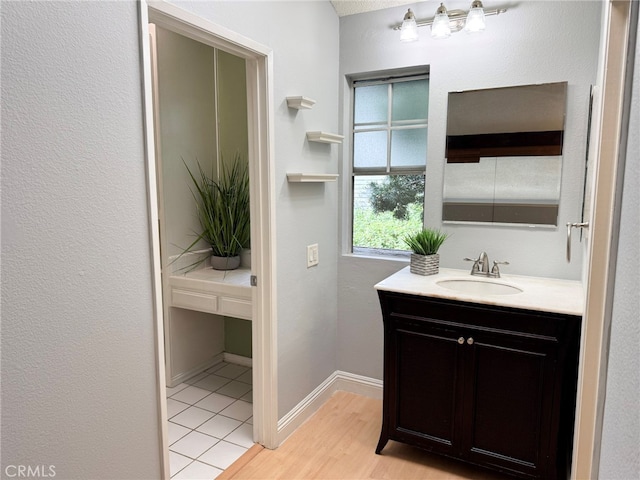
pixel 312 255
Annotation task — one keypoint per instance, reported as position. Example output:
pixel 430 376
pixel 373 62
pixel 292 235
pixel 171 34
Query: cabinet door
pixel 508 403
pixel 424 406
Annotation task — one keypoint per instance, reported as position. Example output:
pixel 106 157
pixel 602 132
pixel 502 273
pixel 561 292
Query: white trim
pixel 337 381
pixel 260 112
pixel 366 386
pixel 212 362
pixel 237 359
pixel 190 25
pixel 306 408
pixel 263 254
pixel 599 266
pixel 154 234
pixel 184 376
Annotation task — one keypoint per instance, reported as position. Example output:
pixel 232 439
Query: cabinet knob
pixel 469 340
pixel 461 340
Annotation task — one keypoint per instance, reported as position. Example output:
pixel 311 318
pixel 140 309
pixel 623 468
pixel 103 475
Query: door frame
pixel 259 66
pixel 608 137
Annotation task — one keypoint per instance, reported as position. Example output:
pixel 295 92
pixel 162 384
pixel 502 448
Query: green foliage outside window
pixel 396 194
pixel 384 230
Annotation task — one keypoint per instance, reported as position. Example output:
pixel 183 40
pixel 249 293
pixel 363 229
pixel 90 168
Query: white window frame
pixel 386 78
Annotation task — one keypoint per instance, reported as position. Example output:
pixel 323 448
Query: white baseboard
pixel 221 357
pixel 366 386
pixel 238 359
pixel 337 381
pixel 184 376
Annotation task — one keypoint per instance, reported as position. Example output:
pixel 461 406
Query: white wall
pixel 620 451
pixel 304 39
pixel 528 44
pixel 187 133
pixel 78 362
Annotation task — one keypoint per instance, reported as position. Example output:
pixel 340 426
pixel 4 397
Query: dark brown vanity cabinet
pixel 492 386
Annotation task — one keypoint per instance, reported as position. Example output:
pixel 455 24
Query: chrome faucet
pixel 481 266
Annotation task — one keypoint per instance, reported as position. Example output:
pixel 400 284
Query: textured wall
pixel 525 45
pixel 78 362
pixel 620 454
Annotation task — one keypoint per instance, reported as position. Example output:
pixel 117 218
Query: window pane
pixel 410 100
pixel 371 104
pixel 370 149
pixel 409 147
pixel 386 209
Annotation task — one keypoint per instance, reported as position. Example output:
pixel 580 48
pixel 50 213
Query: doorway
pixel 257 59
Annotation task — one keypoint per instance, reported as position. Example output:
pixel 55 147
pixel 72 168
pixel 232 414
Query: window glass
pixel 370 149
pixel 371 104
pixel 388 163
pixel 408 147
pixel 386 208
pixel 410 100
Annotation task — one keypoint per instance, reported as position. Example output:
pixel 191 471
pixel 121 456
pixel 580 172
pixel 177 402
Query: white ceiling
pixel 351 7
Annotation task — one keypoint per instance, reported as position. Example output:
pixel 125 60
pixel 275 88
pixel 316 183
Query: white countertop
pixel 538 293
pixel 228 282
pixel 239 276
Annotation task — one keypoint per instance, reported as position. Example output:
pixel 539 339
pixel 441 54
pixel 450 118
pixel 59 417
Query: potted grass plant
pixel 424 246
pixel 223 212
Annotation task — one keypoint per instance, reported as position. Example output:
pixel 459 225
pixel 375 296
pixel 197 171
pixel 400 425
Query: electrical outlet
pixel 312 255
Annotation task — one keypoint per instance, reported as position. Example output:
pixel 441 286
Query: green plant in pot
pixel 223 212
pixel 424 246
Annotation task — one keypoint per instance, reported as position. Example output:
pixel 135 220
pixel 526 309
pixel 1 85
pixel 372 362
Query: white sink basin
pixel 479 287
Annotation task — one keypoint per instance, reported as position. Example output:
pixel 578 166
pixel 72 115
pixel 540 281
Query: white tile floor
pixel 210 422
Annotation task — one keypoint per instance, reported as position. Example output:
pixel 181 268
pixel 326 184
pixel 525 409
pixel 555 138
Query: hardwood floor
pixel 338 442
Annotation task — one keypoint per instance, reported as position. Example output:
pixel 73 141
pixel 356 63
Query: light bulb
pixel 440 28
pixel 475 18
pixel 409 29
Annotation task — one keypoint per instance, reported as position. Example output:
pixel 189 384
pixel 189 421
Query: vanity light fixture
pixel 447 22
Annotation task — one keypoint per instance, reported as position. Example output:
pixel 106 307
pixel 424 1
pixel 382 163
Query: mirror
pixel 504 154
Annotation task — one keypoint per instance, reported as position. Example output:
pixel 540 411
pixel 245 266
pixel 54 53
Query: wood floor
pixel 338 442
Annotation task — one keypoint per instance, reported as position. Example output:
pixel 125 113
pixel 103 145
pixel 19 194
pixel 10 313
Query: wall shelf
pixel 300 103
pixel 311 177
pixel 324 137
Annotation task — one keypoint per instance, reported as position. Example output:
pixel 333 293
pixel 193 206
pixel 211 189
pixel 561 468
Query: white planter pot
pixel 424 264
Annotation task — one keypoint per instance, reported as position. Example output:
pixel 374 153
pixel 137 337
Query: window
pixel 389 161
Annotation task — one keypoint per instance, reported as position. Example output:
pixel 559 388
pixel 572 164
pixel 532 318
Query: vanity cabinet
pixel 195 303
pixel 488 385
pixel 226 293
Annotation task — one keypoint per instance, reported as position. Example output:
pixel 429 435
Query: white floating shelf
pixel 300 103
pixel 311 177
pixel 324 137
